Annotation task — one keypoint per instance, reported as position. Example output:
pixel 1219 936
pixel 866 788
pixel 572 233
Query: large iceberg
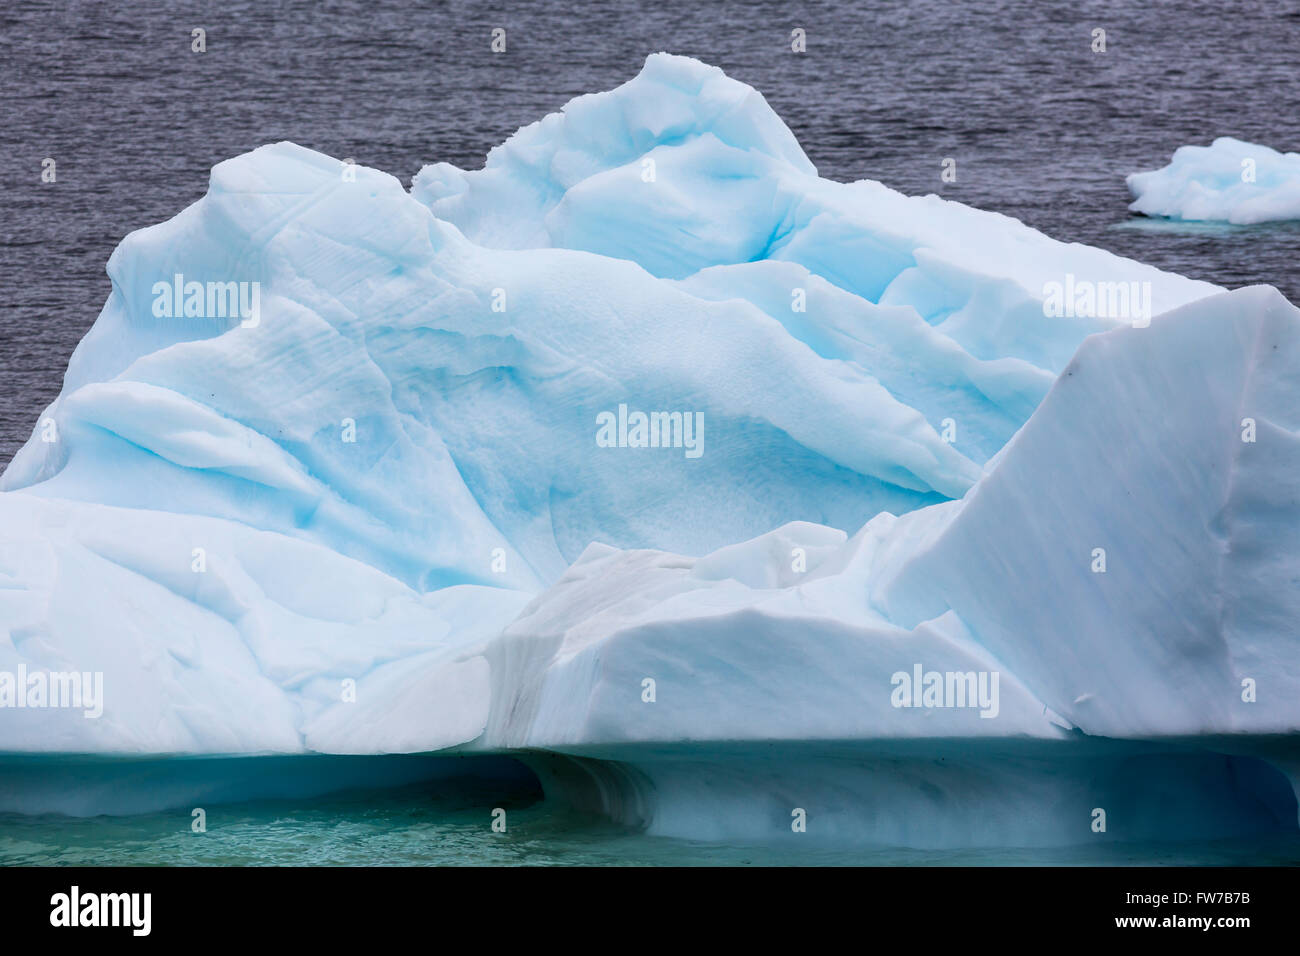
pixel 712 489
pixel 1230 181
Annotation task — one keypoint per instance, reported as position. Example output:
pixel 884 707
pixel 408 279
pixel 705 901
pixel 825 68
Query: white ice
pixel 1229 181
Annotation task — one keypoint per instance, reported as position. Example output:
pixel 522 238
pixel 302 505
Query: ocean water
pixel 450 824
pixel 1042 128
pixel 368 811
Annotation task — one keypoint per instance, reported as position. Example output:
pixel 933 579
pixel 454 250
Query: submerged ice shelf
pixel 374 513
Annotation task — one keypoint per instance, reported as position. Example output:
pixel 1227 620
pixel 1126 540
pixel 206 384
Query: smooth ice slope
pixel 1176 449
pixel 1230 180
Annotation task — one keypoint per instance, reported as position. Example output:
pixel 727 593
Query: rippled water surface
pixel 1042 128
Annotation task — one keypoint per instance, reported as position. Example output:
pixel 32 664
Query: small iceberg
pixel 1228 181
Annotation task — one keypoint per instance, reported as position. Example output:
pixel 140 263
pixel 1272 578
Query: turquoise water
pixel 1262 232
pixel 429 824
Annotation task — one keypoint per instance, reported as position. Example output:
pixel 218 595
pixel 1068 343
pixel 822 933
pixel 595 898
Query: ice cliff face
pixel 1229 180
pixel 397 503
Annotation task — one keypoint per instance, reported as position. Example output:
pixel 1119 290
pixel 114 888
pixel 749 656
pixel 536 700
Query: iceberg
pixel 1229 181
pixel 715 492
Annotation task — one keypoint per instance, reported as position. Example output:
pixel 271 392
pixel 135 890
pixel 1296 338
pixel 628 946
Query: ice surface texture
pixel 1229 181
pixel 903 461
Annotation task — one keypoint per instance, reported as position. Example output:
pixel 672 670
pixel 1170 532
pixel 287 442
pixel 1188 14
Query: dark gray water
pixel 1042 128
